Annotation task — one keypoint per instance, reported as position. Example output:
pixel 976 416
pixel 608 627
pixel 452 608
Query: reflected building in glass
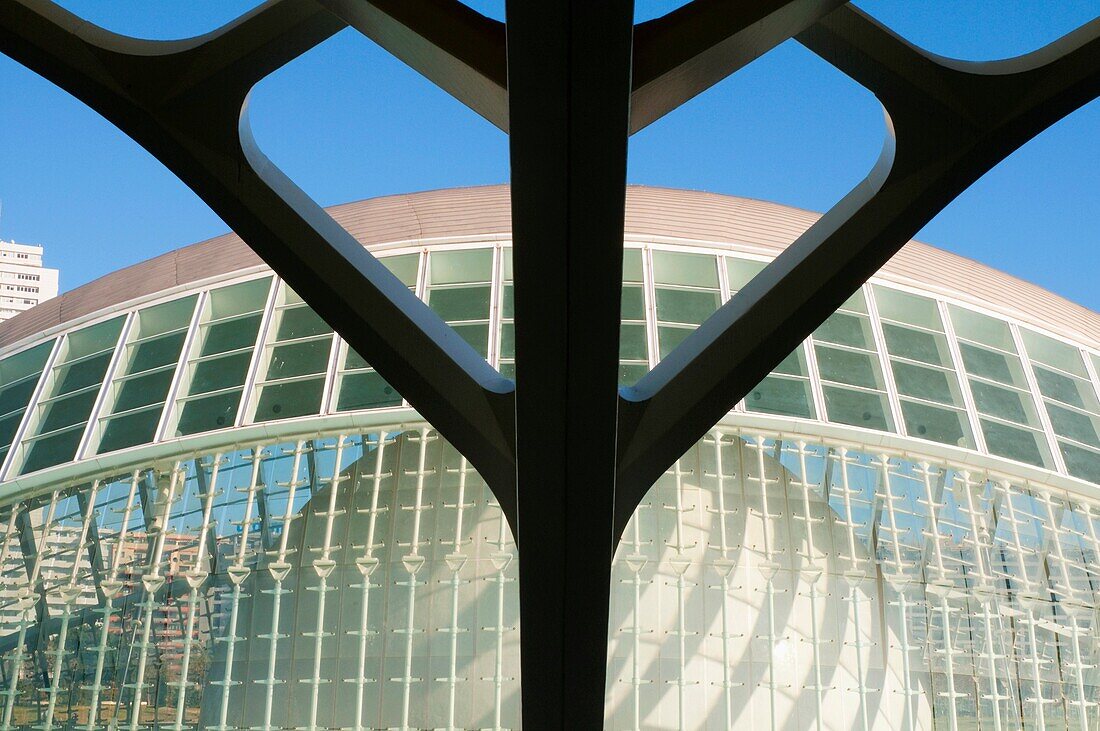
pixel 214 514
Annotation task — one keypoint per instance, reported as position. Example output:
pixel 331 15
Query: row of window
pixel 887 360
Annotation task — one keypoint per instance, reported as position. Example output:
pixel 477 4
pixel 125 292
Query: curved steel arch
pixel 570 81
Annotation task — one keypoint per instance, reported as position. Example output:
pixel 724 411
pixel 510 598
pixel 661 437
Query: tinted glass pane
pixel 924 383
pixel 366 391
pixel 845 329
pixel 219 373
pixel 82 374
pixel 353 360
pixel 1081 463
pixel 794 364
pixel 16 396
pixel 126 431
pixel 999 402
pixel 632 343
pixel 939 425
pixel 741 271
pixel 453 267
pixel 629 373
pixel 210 412
pixel 1063 388
pixel 222 337
pixel 633 306
pixel 403 267
pixel 298 359
pixel 845 366
pixel 856 408
pixel 989 364
pixel 66 412
pixel 300 322
pixel 507 301
pixel 688 306
pixel 92 339
pixel 982 329
pixel 462 303
pixel 1013 443
pixel 1053 353
pixel 476 335
pixel 155 353
pixel 287 400
pixel 507 340
pixel 1073 425
pixel 143 390
pixel 632 265
pixel 908 308
pixel 693 270
pixel 238 299
pixel 52 450
pixel 670 337
pixel 926 347
pixel 786 396
pixel 8 427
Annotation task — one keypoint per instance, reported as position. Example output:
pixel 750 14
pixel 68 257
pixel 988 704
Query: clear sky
pixel 347 121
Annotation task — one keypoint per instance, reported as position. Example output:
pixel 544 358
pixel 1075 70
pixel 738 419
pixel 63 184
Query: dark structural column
pixel 569 102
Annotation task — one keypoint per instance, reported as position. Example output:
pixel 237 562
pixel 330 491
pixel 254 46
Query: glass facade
pixel 215 514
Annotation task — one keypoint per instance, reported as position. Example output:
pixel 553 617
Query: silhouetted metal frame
pixel 568 460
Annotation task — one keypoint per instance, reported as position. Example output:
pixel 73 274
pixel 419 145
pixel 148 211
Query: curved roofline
pixel 660 214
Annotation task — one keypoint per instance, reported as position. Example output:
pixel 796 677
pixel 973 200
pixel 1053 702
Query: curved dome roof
pixel 659 214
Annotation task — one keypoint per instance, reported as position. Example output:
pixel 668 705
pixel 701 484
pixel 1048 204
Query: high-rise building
pixel 24 281
pixel 215 514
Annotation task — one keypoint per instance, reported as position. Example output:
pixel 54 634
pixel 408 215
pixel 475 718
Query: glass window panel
pixel 992 365
pixel 856 303
pixel 403 266
pixel 845 329
pixel 81 374
pixel 845 366
pixel 670 336
pixel 1000 402
pixel 1061 387
pixel 300 322
pixel 19 376
pixel 507 301
pixel 353 360
pixel 947 426
pixel 457 267
pixel 143 390
pixel 629 373
pixel 633 303
pixel 687 306
pixel 218 373
pixel 508 340
pixel 155 353
pixel 908 308
pixel 857 408
pixel 1074 425
pixel 794 364
pixel 1054 353
pixel 632 343
pixel 905 342
pixel 52 450
pixel 209 412
pixel 1022 445
pixel 925 383
pixel 222 337
pixel 288 400
pixel 1082 463
pixel 981 328
pixel 741 271
pixel 632 265
pixel 298 359
pixel 129 430
pixel 785 396
pixel 65 412
pixel 476 335
pixel 691 270
pixel 460 303
pixel 366 390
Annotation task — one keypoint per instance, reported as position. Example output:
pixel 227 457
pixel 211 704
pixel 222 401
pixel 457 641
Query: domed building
pixel 214 514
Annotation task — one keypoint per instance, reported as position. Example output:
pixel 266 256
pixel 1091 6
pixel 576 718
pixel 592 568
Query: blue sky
pixel 346 121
